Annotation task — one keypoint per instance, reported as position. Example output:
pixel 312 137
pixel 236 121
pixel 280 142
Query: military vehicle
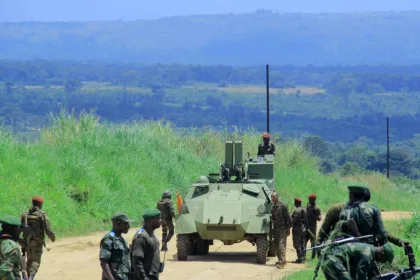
pixel 232 206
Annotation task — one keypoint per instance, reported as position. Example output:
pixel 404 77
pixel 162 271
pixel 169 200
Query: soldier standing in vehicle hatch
pixel 38 222
pixel 313 215
pixel 167 211
pixel 282 222
pixel 267 147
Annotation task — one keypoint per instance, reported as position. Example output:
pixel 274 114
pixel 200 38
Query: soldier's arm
pixel 104 257
pixel 139 246
pixel 325 229
pixel 379 227
pixel 170 206
pixel 318 214
pixel 287 217
pixel 47 228
pixel 11 259
pixel 364 266
pixel 274 149
pixel 394 240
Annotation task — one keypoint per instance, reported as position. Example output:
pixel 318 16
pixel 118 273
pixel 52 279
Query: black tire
pixel 202 247
pixel 262 249
pixel 192 248
pixel 182 246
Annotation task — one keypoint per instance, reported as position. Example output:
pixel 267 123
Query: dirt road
pixel 77 258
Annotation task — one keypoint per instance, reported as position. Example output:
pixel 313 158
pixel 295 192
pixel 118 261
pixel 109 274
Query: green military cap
pixel 357 188
pixel 151 213
pixel 121 217
pixel 389 253
pixel 10 220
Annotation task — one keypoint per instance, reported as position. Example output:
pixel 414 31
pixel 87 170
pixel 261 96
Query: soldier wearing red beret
pixel 36 225
pixel 298 230
pixel 313 216
pixel 267 147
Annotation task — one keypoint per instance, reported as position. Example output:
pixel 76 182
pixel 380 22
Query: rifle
pixel 405 273
pixel 335 242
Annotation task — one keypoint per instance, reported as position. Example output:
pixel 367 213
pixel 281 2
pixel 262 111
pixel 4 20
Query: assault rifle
pixel 405 273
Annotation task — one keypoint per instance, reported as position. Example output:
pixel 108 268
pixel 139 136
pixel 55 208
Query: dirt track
pixel 77 258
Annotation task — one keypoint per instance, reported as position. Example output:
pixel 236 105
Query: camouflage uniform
pixel 349 261
pixel 10 257
pixel 332 218
pixel 282 222
pixel 298 230
pixel 312 214
pixel 114 250
pixel 269 149
pixel 38 221
pixel 368 220
pixel 165 205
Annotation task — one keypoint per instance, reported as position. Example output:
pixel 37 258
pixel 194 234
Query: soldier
pixel 282 223
pixel 167 211
pixel 36 224
pixel 10 266
pixel 354 260
pixel 145 246
pixel 332 218
pixel 313 215
pixel 366 217
pixel 267 147
pixel 298 230
pixel 114 253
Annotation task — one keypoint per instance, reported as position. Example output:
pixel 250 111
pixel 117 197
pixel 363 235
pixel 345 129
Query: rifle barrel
pixel 339 242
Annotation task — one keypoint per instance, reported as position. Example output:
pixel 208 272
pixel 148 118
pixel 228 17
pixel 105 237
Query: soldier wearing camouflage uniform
pixel 10 257
pixel 165 206
pixel 145 247
pixel 298 230
pixel 282 223
pixel 114 253
pixel 313 215
pixel 267 147
pixel 354 260
pixel 332 218
pixel 367 217
pixel 38 224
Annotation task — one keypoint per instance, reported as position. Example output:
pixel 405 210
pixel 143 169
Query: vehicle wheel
pixel 182 245
pixel 271 249
pixel 202 247
pixel 262 249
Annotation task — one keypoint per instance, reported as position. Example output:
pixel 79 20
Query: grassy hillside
pixel 87 171
pixel 257 38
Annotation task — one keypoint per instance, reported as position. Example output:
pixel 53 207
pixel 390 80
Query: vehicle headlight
pixel 261 209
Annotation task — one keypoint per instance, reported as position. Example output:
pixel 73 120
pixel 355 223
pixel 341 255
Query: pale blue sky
pixel 65 10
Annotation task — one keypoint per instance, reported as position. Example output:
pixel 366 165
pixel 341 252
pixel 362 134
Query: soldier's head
pixel 11 225
pixel 298 202
pixel 121 222
pixel 152 218
pixel 266 138
pixel 384 253
pixel 275 197
pixel 166 194
pixel 312 198
pixel 37 201
pixel 356 193
pixel 367 194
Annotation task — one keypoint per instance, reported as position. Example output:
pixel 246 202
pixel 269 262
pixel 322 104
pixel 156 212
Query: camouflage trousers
pixel 167 224
pixel 279 244
pixel 299 244
pixel 34 254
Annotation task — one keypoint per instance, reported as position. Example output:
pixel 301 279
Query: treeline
pixel 336 80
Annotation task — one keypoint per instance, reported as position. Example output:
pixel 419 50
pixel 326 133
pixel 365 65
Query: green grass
pixel 86 171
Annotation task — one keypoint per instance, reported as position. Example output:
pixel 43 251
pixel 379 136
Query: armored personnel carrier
pixel 232 206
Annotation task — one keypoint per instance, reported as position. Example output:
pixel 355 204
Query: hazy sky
pixel 64 10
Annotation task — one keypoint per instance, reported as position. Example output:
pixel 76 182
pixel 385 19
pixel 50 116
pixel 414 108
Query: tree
pixel 72 85
pixel 316 145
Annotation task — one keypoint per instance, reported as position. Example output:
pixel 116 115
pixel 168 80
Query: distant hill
pixel 249 39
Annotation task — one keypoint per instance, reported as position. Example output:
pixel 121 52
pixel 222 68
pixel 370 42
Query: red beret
pixel 266 135
pixel 312 195
pixel 298 199
pixel 38 199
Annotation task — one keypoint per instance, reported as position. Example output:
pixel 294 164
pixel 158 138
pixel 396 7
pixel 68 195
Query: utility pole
pixel 387 147
pixel 268 98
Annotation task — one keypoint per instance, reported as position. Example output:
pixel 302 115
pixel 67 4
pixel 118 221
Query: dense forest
pixel 339 112
pixel 248 39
